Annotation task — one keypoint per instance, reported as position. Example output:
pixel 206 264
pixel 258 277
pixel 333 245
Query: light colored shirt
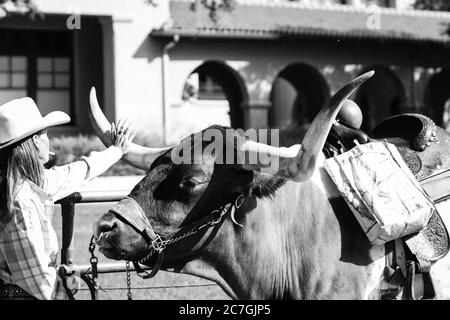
pixel 28 243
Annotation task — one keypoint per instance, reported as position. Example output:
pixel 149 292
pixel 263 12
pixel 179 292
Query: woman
pixel 28 243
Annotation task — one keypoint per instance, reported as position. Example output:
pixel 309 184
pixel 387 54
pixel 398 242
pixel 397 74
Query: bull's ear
pixel 299 161
pixel 137 156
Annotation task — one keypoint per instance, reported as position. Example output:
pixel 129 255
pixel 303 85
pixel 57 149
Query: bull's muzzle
pixel 103 227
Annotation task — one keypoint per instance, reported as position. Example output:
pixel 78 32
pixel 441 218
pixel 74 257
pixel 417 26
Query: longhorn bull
pixel 258 231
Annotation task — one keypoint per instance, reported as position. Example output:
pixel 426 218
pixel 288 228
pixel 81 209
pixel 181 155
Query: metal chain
pixel 158 244
pixel 162 244
pixel 222 211
pixel 129 294
pixel 94 261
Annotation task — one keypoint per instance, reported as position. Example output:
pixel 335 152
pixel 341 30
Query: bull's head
pixel 174 196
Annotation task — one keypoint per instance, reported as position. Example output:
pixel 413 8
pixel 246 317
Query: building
pixel 173 70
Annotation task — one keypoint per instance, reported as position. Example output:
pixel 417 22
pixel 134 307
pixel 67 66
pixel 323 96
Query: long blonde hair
pixel 17 162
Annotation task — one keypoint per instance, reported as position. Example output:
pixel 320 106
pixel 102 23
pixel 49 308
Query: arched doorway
pixel 437 98
pixel 214 92
pixel 380 97
pixel 298 93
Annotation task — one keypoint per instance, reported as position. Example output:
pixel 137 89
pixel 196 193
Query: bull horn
pixel 137 156
pixel 298 162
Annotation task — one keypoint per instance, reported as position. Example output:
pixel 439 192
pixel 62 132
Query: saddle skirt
pixel 425 149
pixel 427 155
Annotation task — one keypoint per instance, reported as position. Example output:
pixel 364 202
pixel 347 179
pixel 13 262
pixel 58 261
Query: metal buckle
pixel 239 201
pixel 214 222
pixel 158 244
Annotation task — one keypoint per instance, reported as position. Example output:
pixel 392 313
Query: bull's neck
pixel 287 230
pixel 290 247
pixel 261 260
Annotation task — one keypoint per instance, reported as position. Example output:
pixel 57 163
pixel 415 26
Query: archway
pixel 216 92
pixel 298 93
pixel 437 98
pixel 380 97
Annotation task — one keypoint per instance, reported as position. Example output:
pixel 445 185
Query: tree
pixel 25 6
pixel 437 5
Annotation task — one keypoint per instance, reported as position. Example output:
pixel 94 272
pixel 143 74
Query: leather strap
pixel 437 186
pixel 394 276
pixel 400 256
pixel 418 286
pixel 157 243
pixel 138 222
pixel 403 271
pixel 144 274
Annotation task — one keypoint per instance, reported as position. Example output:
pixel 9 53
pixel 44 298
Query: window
pixel 210 89
pixel 381 3
pixel 13 77
pixel 37 64
pixel 13 72
pixel 53 83
pixel 53 73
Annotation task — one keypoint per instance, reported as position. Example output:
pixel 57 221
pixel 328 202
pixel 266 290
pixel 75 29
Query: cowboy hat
pixel 20 118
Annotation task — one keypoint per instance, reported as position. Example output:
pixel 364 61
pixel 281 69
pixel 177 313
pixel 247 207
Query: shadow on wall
pixel 213 94
pixel 380 97
pixel 437 98
pixel 298 93
pixel 293 134
pixel 150 49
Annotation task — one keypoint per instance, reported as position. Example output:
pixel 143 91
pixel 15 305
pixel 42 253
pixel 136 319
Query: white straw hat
pixel 20 118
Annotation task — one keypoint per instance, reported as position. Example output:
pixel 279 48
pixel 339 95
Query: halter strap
pixel 138 222
pixel 158 243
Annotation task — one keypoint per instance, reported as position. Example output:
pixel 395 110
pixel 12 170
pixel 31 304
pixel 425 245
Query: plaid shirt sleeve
pixel 64 180
pixel 22 246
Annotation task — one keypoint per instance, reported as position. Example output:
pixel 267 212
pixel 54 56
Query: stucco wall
pixel 259 62
pixel 133 64
pixel 135 90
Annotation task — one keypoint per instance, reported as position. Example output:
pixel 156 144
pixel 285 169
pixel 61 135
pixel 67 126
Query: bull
pixel 258 231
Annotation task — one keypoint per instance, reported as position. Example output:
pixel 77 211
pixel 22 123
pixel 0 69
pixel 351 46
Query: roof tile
pixel 272 19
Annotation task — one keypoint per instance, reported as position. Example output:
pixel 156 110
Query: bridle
pixel 158 243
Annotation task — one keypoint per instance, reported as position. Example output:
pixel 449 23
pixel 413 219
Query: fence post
pixel 68 214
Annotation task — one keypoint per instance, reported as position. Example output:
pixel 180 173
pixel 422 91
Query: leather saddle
pixel 425 148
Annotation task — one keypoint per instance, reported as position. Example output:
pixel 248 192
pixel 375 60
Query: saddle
pixel 425 148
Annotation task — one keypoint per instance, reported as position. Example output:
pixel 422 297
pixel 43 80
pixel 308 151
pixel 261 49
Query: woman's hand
pixel 122 135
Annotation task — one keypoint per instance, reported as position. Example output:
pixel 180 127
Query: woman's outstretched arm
pixel 64 180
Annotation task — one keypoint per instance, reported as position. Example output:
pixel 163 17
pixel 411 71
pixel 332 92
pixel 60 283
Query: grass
pixel 115 283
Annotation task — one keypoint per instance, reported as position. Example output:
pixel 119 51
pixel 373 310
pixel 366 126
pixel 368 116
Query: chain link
pixel 94 261
pixel 222 211
pixel 129 294
pixel 158 244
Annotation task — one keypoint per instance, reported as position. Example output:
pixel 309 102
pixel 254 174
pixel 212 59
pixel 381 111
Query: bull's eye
pixel 191 184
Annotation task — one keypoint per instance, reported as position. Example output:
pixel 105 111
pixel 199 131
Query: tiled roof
pixel 264 19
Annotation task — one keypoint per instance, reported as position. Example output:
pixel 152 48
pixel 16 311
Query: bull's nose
pixel 104 226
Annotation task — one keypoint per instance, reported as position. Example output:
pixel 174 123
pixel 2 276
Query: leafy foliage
pixel 439 5
pixel 70 148
pixel 25 6
pixel 214 6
